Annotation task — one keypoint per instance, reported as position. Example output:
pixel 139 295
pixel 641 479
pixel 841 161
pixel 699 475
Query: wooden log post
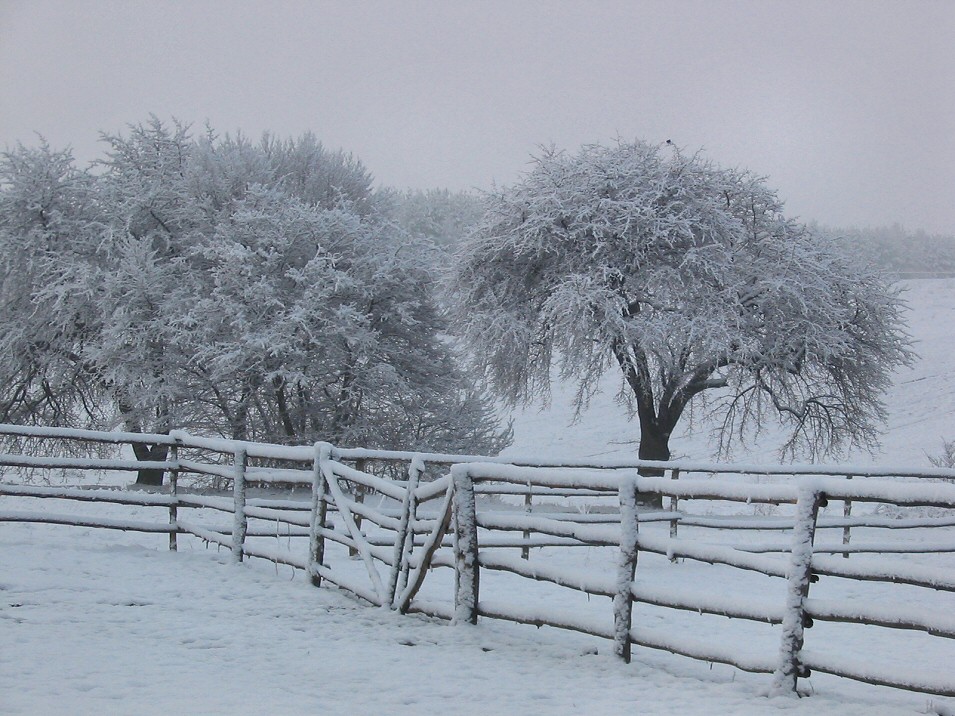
pixel 431 544
pixel 404 537
pixel 626 567
pixel 795 619
pixel 364 549
pixel 174 493
pixel 316 537
pixel 467 575
pixel 359 498
pixel 674 507
pixel 240 523
pixel 528 508
pixel 846 512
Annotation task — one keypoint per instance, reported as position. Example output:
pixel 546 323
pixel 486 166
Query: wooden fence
pixel 470 514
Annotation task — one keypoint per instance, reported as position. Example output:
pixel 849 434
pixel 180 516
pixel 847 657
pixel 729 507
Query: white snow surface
pixel 99 621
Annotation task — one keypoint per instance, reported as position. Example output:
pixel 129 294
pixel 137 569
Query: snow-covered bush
pixel 946 458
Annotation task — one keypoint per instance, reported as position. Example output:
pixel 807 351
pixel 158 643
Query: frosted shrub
pixel 946 458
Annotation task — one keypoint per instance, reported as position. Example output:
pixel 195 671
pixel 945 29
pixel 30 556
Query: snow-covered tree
pixel 443 216
pixel 688 279
pixel 319 298
pixel 46 215
pixel 254 290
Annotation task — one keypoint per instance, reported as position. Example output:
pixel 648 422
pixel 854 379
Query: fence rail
pixel 488 515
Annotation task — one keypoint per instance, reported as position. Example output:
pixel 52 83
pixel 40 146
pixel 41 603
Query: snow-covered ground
pixel 97 622
pixel 105 622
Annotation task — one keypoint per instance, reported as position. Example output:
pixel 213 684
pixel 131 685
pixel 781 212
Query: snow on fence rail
pixel 800 567
pixel 398 530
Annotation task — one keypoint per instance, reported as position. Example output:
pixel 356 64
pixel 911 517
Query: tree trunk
pixel 654 445
pixel 654 437
pixel 148 476
pixel 143 451
pixel 281 403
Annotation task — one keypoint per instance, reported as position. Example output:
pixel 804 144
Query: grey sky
pixel 847 107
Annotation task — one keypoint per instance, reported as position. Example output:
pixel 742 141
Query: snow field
pixel 101 621
pixel 126 628
pixel 134 628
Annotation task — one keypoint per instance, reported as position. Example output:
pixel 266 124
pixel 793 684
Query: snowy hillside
pixel 920 404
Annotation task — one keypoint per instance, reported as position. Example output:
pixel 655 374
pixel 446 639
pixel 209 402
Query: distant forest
pixel 909 254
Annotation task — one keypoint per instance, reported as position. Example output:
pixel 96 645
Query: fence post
pixel 674 507
pixel 359 498
pixel 431 543
pixel 240 524
pixel 404 537
pixel 846 512
pixel 626 567
pixel 467 575
pixel 174 493
pixel 528 508
pixel 795 619
pixel 316 538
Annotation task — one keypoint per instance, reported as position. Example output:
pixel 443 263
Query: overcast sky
pixel 848 107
